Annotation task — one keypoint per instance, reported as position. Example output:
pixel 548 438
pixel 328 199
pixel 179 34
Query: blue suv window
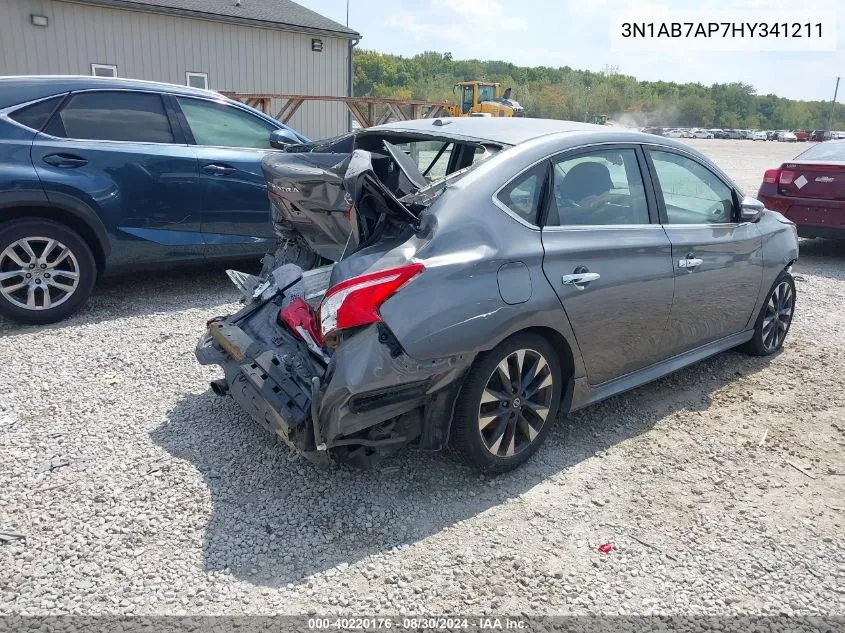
pixel 113 116
pixel 35 116
pixel 219 125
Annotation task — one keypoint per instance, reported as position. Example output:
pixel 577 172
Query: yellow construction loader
pixel 482 98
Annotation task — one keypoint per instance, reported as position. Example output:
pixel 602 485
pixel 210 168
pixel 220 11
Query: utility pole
pixel 833 105
pixel 347 13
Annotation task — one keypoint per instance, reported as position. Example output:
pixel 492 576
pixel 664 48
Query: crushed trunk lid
pixel 337 202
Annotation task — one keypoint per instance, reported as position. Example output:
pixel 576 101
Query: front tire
pixel 775 318
pixel 507 404
pixel 47 271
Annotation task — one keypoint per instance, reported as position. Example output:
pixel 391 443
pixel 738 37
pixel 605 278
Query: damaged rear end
pixel 338 202
pixel 309 356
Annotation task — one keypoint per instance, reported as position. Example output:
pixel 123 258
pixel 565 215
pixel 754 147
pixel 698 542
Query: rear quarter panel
pixel 455 307
pixel 19 184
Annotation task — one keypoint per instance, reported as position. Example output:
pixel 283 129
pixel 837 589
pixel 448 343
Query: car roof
pixel 499 130
pixel 510 131
pixel 25 88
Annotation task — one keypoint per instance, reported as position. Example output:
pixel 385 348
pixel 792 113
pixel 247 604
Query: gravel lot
pixel 721 488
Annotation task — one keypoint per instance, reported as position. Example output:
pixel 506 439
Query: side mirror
pixel 281 138
pixel 750 209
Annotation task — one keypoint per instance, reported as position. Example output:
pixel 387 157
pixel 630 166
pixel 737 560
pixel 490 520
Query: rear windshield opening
pixel 824 151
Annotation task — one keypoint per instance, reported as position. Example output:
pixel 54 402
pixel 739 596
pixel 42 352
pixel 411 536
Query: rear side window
pixel 604 187
pixel 113 116
pixel 35 116
pixel 522 195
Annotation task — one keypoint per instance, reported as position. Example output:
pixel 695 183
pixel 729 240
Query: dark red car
pixel 810 190
pixel 801 135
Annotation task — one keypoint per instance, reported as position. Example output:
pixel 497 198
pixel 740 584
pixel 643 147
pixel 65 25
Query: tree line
pixel 578 95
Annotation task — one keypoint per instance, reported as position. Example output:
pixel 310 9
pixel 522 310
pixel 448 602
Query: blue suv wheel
pixel 46 271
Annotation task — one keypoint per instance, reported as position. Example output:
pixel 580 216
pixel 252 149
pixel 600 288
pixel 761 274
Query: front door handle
pixel 217 169
pixel 579 279
pixel 65 161
pixel 689 262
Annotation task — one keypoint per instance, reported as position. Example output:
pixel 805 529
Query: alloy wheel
pixel 515 402
pixel 38 273
pixel 778 316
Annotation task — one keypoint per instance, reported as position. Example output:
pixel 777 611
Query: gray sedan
pixel 547 266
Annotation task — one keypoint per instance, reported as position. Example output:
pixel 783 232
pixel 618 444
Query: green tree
pixel 567 93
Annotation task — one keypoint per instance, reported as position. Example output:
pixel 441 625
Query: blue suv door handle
pixel 218 169
pixel 65 161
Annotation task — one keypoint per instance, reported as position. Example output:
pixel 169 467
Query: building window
pixel 104 70
pixel 196 80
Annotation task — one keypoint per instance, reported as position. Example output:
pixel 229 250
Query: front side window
pixel 597 188
pixel 522 195
pixel 692 194
pixel 113 116
pixel 221 125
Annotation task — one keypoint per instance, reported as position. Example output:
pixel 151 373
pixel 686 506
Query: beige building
pixel 267 46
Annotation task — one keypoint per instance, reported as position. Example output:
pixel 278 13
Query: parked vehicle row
pixel 468 310
pixel 754 135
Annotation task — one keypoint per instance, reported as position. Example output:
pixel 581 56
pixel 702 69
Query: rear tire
pixel 775 318
pixel 507 405
pixel 47 271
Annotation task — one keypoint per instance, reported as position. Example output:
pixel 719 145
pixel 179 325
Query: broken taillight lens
pixel 356 301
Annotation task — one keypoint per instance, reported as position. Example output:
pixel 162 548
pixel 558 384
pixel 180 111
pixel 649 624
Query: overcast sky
pixel 577 33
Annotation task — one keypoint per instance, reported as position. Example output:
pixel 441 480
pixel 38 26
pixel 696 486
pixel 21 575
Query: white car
pixel 702 134
pixel 787 137
pixel 674 134
pixel 759 135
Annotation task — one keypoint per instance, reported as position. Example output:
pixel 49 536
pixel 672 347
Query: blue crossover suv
pixel 101 175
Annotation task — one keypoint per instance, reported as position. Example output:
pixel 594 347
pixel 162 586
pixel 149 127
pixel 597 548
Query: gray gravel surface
pixel 721 488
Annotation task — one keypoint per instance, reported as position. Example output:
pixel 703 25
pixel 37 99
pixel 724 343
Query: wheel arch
pixel 93 234
pixel 565 356
pixel 444 410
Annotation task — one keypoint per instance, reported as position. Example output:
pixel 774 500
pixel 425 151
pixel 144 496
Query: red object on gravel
pixel 606 548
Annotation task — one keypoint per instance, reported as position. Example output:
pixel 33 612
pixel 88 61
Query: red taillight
pixel 778 176
pixel 771 176
pixel 356 301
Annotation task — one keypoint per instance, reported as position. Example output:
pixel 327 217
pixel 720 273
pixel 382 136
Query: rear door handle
pixel 217 169
pixel 690 262
pixel 579 280
pixel 65 161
